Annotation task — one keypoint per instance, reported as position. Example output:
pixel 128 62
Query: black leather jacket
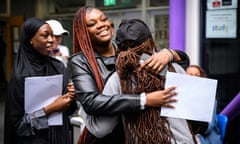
pixel 87 92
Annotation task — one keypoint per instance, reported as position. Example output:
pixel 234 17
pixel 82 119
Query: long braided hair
pixel 147 126
pixel 82 42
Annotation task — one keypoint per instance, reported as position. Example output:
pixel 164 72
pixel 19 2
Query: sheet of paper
pixel 41 91
pixel 196 97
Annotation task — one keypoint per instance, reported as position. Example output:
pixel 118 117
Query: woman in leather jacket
pixel 94 61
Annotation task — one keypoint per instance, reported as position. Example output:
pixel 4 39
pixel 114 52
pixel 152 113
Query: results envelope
pixel 41 91
pixel 195 97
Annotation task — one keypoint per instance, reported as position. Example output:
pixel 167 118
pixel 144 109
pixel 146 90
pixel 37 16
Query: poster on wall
pixel 221 23
pixel 221 4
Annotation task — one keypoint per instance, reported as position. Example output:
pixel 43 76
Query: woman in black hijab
pixel 33 60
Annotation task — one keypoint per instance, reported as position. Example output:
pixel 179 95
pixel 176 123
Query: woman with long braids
pixel 92 64
pixel 145 127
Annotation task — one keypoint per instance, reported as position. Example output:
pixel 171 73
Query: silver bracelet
pixel 169 53
pixel 143 100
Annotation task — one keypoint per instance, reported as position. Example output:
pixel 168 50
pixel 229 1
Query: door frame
pixel 13 22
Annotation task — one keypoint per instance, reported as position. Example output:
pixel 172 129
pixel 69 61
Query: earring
pixel 31 42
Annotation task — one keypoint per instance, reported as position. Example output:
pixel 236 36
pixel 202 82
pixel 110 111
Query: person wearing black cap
pixel 33 60
pixel 93 62
pixel 130 78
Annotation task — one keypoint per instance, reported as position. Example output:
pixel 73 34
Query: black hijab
pixel 28 63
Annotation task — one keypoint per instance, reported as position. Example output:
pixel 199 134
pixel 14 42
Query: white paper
pixel 195 98
pixel 40 92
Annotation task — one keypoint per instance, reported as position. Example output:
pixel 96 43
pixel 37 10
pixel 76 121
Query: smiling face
pixel 43 40
pixel 99 26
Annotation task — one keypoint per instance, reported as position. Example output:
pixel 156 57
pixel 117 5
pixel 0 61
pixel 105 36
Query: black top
pixel 22 128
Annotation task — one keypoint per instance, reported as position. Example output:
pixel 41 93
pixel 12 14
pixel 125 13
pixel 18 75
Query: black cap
pixel 133 30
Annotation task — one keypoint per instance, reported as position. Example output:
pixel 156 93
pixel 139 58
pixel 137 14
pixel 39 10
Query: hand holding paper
pixel 196 97
pixel 40 92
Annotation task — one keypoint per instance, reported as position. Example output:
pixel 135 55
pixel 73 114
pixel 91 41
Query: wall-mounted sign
pixel 221 4
pixel 221 23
